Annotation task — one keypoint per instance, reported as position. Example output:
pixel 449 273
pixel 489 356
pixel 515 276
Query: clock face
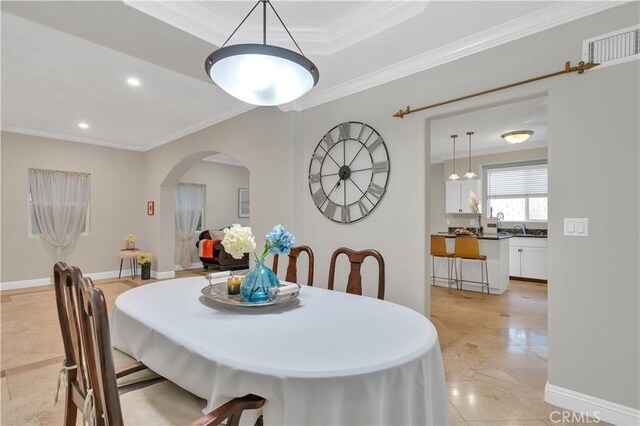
pixel 349 172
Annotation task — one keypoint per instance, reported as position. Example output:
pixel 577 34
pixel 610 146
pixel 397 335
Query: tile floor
pixel 495 353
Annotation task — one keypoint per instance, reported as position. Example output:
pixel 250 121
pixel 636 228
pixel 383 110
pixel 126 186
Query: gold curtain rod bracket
pixel 580 69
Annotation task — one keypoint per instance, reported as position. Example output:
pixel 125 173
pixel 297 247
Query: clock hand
pixel 334 187
pixel 362 192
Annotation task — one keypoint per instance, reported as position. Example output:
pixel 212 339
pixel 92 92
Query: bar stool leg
pixel 433 270
pixel 482 278
pixel 486 270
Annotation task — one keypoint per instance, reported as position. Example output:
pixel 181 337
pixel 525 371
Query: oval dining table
pixel 324 358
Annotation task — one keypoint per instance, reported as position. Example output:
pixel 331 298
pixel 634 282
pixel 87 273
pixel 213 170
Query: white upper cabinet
pixel 457 195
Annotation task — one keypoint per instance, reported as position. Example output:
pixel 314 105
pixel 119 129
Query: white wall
pixel 118 205
pixel 221 208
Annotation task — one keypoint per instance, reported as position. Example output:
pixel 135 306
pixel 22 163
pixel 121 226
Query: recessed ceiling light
pixel 133 81
pixel 83 125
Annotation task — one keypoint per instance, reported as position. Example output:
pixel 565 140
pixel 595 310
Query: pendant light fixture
pixel 261 74
pixel 454 175
pixel 517 136
pixel 470 174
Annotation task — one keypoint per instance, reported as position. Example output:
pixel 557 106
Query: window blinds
pixel 517 181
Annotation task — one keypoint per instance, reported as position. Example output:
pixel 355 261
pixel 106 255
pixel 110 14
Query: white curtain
pixel 189 207
pixel 60 201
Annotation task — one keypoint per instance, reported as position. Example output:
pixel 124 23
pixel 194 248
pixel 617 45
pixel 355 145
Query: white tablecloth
pixel 327 358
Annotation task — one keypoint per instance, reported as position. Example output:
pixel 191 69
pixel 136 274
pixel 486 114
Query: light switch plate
pixel 576 227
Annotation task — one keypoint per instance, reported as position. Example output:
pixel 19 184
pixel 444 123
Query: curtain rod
pixel 580 69
pixel 31 169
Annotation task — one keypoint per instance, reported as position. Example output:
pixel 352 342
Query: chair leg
pixel 120 273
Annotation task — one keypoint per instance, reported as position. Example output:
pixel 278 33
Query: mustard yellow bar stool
pixel 439 249
pixel 467 248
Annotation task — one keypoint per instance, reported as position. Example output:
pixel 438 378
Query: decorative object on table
pixel 257 284
pixel 233 284
pixel 474 204
pixel 144 260
pixel 462 231
pixel 262 74
pixel 151 208
pixel 130 241
pixel 349 172
pixel 244 204
pixel 219 293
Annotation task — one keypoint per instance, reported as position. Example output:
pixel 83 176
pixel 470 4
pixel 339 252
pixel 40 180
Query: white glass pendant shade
pixel 517 136
pixel 261 74
pixel 454 176
pixel 470 175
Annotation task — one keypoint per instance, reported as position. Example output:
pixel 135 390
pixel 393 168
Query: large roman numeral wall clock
pixel 349 172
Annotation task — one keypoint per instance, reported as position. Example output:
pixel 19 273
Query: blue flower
pixel 279 241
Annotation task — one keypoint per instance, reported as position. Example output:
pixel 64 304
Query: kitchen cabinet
pixel 528 257
pixel 457 195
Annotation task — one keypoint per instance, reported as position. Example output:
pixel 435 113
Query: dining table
pixel 323 358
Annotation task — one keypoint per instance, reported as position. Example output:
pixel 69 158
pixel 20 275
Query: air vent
pixel 613 48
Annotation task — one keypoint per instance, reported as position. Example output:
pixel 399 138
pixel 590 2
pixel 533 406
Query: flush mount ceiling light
pixel 133 81
pixel 470 174
pixel 261 74
pixel 454 175
pixel 517 136
pixel 83 125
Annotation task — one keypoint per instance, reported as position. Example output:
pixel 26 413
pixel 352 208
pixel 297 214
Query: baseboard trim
pixel 195 265
pixel 40 282
pixel 163 275
pixel 577 402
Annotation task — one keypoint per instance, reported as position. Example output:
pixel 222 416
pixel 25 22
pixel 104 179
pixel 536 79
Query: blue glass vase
pixel 258 283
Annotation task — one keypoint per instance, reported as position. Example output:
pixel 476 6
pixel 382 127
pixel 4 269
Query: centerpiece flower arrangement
pixel 239 240
pixel 144 260
pixel 474 204
pixel 130 241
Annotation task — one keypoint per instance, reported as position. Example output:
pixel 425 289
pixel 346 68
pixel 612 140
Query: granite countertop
pixel 483 237
pixel 528 236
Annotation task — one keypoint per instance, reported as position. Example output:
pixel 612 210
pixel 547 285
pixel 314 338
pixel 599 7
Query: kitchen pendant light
pixel 454 175
pixel 517 136
pixel 470 174
pixel 261 74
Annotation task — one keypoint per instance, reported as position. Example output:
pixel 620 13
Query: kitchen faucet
pixel 522 228
pixel 499 219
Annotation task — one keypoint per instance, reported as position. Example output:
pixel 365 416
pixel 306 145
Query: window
pixel 520 193
pixel 34 229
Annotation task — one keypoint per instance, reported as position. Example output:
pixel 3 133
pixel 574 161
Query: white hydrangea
pixel 238 240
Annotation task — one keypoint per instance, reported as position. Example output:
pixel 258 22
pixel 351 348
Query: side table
pixel 131 255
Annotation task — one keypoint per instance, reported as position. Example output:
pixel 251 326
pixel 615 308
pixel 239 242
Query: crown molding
pixel 222 116
pixel 201 20
pixel 70 138
pixel 541 20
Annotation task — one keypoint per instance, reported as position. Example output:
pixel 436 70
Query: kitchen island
pixel 495 247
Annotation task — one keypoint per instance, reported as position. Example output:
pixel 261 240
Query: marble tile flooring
pixel 495 353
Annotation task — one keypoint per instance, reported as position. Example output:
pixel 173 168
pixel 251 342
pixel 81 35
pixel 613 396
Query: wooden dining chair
pixel 292 267
pixel 354 283
pixel 129 371
pixel 161 403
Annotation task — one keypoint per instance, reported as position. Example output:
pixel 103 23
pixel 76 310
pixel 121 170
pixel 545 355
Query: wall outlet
pixel 473 222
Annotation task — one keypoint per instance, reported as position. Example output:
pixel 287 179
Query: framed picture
pixel 151 210
pixel 243 202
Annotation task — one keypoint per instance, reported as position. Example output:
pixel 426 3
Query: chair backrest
pixel 438 246
pixel 66 286
pixel 292 267
pixel 467 248
pixel 354 283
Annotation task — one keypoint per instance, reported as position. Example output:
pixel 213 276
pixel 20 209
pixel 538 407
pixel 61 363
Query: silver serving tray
pixel 218 292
